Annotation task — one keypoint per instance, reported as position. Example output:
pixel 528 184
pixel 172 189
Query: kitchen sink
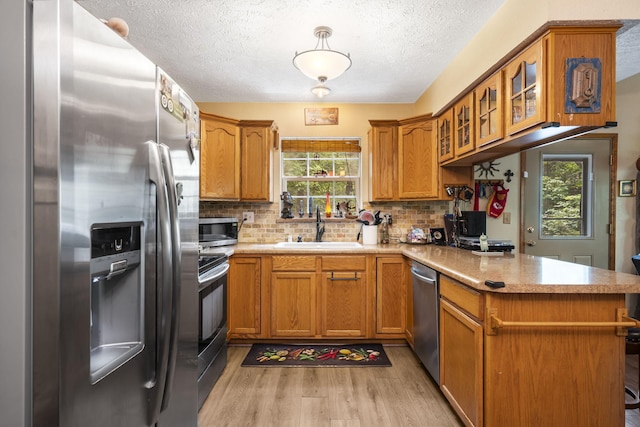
pixel 318 245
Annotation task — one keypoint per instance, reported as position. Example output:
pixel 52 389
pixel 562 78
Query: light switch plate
pixel 506 217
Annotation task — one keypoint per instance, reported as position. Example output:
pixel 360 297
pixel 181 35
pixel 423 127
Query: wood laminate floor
pixel 401 395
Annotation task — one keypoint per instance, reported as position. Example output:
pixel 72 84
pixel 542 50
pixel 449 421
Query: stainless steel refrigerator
pixel 115 217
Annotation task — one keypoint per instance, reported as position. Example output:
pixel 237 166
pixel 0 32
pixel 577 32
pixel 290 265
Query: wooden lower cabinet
pixel 528 372
pixel 461 358
pixel 390 296
pixel 244 296
pixel 554 376
pixel 293 304
pixel 343 305
pixel 318 296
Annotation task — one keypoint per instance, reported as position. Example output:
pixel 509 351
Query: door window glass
pixel 565 196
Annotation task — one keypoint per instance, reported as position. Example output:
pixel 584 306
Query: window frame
pixel 307 156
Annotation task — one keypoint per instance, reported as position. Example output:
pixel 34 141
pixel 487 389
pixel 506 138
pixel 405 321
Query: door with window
pixel 567 201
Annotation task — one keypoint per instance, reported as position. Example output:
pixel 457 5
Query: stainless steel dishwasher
pixel 426 317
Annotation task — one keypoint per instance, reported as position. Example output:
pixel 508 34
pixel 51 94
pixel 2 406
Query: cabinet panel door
pixel 255 176
pixel 293 304
pixel 463 129
pixel 461 371
pixel 489 110
pixel 417 163
pixel 444 136
pixel 382 160
pixel 390 295
pixel 524 82
pixel 343 304
pixel 244 296
pixel 219 160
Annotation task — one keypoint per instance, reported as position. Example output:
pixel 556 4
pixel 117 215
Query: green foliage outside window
pixel 563 197
pixel 313 175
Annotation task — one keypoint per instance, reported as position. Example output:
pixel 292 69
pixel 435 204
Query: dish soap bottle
pixel 327 209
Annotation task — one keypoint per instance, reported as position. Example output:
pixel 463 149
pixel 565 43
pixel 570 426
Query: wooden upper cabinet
pixel 417 161
pixel 444 137
pixel 463 129
pixel 219 158
pixel 383 148
pixel 488 111
pixel 236 159
pixel 581 75
pixel 524 81
pixel 256 160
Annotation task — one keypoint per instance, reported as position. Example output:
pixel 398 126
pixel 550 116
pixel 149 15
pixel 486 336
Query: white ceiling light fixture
pixel 322 62
pixel 320 90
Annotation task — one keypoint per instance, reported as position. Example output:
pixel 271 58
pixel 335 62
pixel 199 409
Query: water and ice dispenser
pixel 117 305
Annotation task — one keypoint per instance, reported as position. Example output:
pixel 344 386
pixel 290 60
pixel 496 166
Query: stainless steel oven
pixel 218 232
pixel 212 325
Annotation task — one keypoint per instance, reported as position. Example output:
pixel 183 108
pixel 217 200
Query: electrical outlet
pixel 506 217
pixel 248 217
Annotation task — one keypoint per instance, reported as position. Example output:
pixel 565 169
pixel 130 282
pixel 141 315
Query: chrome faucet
pixel 319 230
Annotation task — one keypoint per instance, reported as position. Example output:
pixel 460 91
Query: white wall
pixel 628 116
pixel 496 228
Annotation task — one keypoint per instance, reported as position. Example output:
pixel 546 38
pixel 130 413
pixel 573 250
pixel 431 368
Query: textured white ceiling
pixel 242 50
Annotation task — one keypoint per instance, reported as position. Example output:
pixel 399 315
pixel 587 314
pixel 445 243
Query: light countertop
pixel 520 273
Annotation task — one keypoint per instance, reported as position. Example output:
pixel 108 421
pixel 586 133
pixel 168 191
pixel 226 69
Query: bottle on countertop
pixel 385 230
pixel 327 209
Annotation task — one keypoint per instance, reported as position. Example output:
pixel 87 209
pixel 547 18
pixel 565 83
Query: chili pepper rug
pixel 347 355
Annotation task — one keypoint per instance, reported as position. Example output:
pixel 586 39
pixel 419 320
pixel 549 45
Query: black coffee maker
pixel 472 223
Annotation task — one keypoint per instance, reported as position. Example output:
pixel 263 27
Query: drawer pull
pixel 337 279
pixel 624 321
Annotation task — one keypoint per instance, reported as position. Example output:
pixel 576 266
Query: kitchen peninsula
pixel 547 349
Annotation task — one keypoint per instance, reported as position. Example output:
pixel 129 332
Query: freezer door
pixel 94 287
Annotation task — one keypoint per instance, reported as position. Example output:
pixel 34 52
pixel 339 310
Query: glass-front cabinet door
pixel 463 125
pixel 488 97
pixel 445 143
pixel 524 87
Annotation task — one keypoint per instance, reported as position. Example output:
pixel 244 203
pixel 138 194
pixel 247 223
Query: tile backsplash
pixel 268 227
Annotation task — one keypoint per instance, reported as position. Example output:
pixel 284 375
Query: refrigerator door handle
pixel 158 383
pixel 167 169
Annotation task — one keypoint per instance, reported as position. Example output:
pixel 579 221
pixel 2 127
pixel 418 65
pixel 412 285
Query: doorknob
pixel 530 242
pixel 530 229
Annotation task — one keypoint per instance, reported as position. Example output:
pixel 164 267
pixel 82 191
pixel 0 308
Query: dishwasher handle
pixel 421 277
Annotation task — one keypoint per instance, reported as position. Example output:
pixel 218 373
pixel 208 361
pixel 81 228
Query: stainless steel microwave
pixel 218 232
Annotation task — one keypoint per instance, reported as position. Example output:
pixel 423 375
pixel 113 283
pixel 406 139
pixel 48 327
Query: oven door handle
pixel 224 268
